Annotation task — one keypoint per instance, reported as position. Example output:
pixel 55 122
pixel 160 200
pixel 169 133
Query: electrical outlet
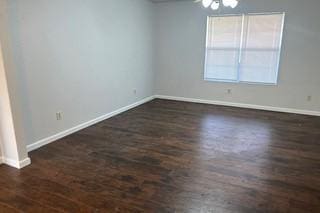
pixel 59 116
pixel 309 98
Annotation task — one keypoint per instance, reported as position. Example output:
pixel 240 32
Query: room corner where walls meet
pixel 77 60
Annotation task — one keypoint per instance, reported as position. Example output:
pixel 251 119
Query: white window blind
pixel 244 48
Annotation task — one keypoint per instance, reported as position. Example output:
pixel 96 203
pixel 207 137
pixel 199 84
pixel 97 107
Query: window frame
pixel 237 81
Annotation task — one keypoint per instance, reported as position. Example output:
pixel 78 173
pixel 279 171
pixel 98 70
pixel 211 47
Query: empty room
pixel 204 106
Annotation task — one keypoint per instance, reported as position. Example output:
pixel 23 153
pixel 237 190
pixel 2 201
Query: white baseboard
pixel 1 160
pixel 72 130
pixel 240 105
pixel 16 164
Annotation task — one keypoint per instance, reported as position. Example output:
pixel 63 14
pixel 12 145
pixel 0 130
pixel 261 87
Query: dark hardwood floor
pixel 168 156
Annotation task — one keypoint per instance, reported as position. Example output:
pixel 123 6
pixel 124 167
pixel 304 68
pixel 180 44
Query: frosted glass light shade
pixel 230 3
pixel 215 5
pixel 206 3
pixel 234 4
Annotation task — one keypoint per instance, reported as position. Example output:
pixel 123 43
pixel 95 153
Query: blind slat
pixel 262 32
pixel 223 42
pixel 244 48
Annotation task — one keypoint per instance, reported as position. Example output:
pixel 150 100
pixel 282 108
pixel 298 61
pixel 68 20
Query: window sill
pixel 240 82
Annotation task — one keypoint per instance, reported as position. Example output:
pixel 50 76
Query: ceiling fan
pixel 215 4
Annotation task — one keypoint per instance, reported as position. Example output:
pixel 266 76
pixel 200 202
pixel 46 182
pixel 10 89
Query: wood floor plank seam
pixel 172 156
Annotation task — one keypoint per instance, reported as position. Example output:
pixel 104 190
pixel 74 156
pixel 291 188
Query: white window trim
pixel 241 45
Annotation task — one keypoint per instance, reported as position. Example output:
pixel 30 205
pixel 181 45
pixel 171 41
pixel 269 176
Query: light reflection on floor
pixel 219 138
pixel 241 134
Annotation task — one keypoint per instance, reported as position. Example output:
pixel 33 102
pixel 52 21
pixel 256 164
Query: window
pixel 244 48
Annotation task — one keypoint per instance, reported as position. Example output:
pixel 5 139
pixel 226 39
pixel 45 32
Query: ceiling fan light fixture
pixel 234 4
pixel 215 5
pixel 207 3
pixel 230 3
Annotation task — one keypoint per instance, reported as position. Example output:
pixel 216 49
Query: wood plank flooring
pixel 168 156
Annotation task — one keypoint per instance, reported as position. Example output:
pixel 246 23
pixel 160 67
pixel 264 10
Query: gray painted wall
pixel 83 58
pixel 13 147
pixel 180 50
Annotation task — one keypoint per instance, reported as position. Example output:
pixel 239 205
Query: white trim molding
pixel 240 105
pixel 16 164
pixel 72 130
pixel 1 160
